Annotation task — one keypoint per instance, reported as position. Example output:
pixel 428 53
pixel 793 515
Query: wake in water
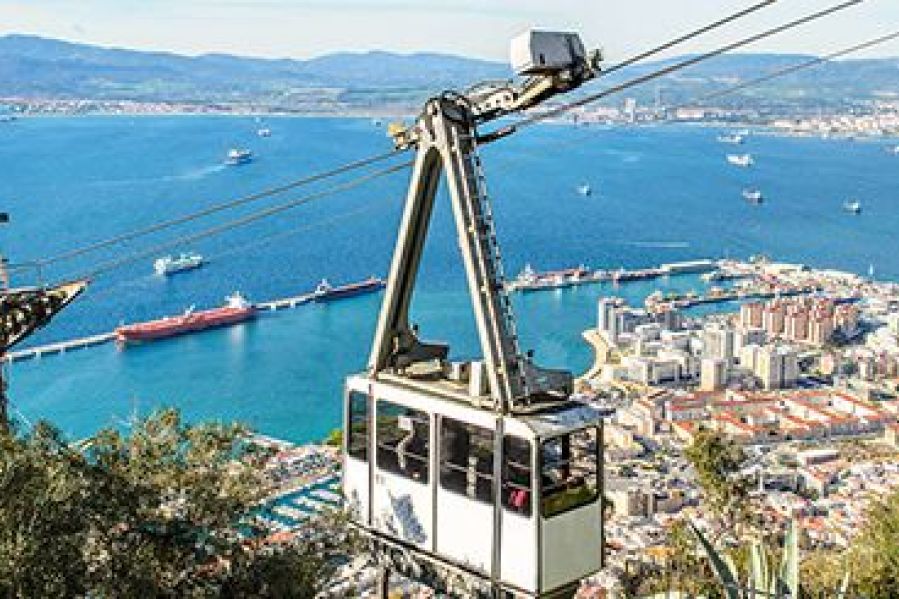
pixel 197 173
pixel 665 245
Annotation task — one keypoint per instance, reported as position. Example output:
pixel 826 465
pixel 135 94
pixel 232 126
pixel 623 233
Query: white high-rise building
pixel 719 342
pixel 713 376
pixel 777 367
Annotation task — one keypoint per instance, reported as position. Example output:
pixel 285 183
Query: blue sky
pixel 304 28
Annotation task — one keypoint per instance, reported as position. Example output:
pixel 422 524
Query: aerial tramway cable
pixel 744 85
pixel 244 220
pixel 686 37
pixel 537 118
pixel 165 224
pixel 798 67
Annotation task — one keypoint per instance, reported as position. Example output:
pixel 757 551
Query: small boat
pixel 584 189
pixel 742 160
pixel 731 138
pixel 377 122
pixel 169 265
pixel 753 196
pixel 327 292
pixel 238 156
pixel 853 207
pixel 893 150
pixel 264 132
pixel 235 310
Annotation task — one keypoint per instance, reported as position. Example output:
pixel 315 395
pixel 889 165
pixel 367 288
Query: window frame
pixel 350 437
pixel 597 473
pixel 443 463
pixel 418 417
pixel 528 511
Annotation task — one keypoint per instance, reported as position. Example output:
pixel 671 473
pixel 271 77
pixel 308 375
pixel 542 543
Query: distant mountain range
pixel 41 68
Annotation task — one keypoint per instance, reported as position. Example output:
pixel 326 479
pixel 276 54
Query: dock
pixel 62 347
pixel 286 303
pixel 59 347
pixel 530 280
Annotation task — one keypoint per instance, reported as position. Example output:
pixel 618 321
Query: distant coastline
pixel 838 125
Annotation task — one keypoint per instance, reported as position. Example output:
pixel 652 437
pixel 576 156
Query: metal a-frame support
pixel 447 142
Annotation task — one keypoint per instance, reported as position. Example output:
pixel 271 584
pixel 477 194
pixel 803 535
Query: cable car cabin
pixel 512 499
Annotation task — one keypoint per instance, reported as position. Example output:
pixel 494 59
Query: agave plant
pixel 763 581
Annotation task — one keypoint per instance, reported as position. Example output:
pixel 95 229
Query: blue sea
pixel 660 194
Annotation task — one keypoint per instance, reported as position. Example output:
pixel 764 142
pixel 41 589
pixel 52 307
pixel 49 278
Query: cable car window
pixel 403 441
pixel 517 475
pixel 466 459
pixel 568 471
pixel 357 431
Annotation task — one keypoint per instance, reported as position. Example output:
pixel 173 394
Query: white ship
pixel 237 156
pixel 264 132
pixel 753 196
pixel 853 207
pixel 169 265
pixel 731 138
pixel 584 189
pixel 742 160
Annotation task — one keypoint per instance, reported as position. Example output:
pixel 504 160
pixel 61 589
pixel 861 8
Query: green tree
pixel 155 513
pixel 874 554
pixel 717 461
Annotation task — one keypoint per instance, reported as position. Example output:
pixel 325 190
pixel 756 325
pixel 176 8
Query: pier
pixel 59 347
pixel 62 347
pixel 286 303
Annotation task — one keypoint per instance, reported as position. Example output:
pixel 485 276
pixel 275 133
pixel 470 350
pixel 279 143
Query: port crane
pixel 482 478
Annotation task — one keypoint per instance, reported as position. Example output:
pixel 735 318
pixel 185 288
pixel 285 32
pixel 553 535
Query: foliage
pixel 761 578
pixel 334 438
pixel 874 555
pixel 151 514
pixel 717 461
pixel 685 569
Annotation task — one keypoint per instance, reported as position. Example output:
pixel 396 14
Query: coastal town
pixel 807 384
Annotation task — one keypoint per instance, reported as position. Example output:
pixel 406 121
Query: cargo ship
pixel 326 292
pixel 235 310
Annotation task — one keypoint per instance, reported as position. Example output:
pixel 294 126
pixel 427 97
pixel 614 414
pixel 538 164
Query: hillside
pixel 41 68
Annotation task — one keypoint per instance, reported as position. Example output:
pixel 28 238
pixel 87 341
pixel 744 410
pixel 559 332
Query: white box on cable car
pixel 538 52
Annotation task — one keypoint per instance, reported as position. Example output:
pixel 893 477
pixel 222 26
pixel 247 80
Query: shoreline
pixel 761 129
